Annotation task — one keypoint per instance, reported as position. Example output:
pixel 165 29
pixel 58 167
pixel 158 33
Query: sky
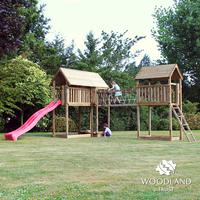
pixel 74 19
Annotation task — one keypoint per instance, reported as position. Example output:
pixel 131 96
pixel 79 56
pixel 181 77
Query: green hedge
pixel 61 124
pixel 193 121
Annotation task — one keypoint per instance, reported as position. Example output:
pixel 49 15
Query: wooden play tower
pixel 78 89
pixel 161 86
pixel 156 86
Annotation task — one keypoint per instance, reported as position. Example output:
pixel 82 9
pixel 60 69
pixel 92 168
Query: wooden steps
pixel 183 123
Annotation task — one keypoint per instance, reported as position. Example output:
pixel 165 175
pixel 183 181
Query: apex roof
pixel 160 71
pixel 81 78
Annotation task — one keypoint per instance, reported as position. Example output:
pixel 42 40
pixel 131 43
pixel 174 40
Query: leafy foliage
pixel 11 25
pixel 178 35
pixel 22 84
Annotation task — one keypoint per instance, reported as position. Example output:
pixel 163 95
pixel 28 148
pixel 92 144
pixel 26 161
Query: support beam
pixel 170 108
pixel 91 120
pixel 149 120
pixel 138 121
pixel 181 107
pixel 138 108
pixel 170 122
pixel 54 111
pixel 79 119
pixel 67 110
pixel 97 118
pixel 108 119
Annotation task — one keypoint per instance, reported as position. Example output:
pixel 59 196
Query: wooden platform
pixel 117 105
pixel 76 135
pixel 80 136
pixel 154 137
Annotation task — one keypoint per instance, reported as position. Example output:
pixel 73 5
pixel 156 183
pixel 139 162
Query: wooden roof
pixel 80 78
pixel 159 72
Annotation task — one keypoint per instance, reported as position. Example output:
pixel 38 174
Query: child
pixel 107 132
pixel 117 92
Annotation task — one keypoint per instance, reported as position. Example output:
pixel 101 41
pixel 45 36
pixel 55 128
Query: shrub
pixel 189 107
pixel 44 124
pixel 61 124
pixel 193 121
pixel 2 123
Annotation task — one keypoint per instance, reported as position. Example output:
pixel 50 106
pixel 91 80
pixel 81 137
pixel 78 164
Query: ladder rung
pixel 188 133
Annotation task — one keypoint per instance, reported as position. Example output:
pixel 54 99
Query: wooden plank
pixel 164 94
pixel 170 109
pixel 153 103
pixel 91 120
pixel 109 103
pixel 97 115
pixel 63 95
pixel 138 121
pixel 79 136
pixel 149 121
pixel 155 137
pixel 160 71
pixel 119 105
pixel 79 119
pixel 180 105
pixel 82 78
pixel 79 104
pixel 177 94
pixel 67 111
pixel 54 111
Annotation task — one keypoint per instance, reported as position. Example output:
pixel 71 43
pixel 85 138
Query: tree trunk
pixel 22 117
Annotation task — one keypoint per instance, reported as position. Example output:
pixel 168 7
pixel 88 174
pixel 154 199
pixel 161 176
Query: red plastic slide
pixel 32 121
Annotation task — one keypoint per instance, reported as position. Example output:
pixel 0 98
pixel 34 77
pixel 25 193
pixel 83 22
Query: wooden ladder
pixel 183 123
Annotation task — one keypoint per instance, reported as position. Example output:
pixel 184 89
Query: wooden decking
pixel 156 137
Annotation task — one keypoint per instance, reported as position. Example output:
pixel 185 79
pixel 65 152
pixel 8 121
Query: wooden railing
pixel 79 95
pixel 74 95
pixel 158 94
pixel 106 97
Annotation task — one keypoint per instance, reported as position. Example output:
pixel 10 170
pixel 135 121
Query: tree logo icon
pixel 166 167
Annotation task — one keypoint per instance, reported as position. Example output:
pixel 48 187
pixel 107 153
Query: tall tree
pixel 23 85
pixel 111 56
pixel 11 25
pixel 116 50
pixel 145 62
pixel 91 58
pixel 36 28
pixel 178 35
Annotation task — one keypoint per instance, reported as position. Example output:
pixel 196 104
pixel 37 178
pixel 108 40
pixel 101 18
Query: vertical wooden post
pixel 170 109
pixel 138 108
pixel 91 120
pixel 149 120
pixel 67 109
pixel 54 111
pixel 180 104
pixel 63 95
pixel 138 121
pixel 97 119
pixel 177 93
pixel 97 113
pixel 108 120
pixel 79 119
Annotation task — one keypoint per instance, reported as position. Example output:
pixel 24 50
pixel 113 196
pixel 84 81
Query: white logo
pixel 165 167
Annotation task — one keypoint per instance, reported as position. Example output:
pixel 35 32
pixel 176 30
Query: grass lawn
pixel 41 167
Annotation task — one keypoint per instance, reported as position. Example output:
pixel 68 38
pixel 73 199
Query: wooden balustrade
pixel 106 97
pixel 79 95
pixel 144 95
pixel 75 96
pixel 157 94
